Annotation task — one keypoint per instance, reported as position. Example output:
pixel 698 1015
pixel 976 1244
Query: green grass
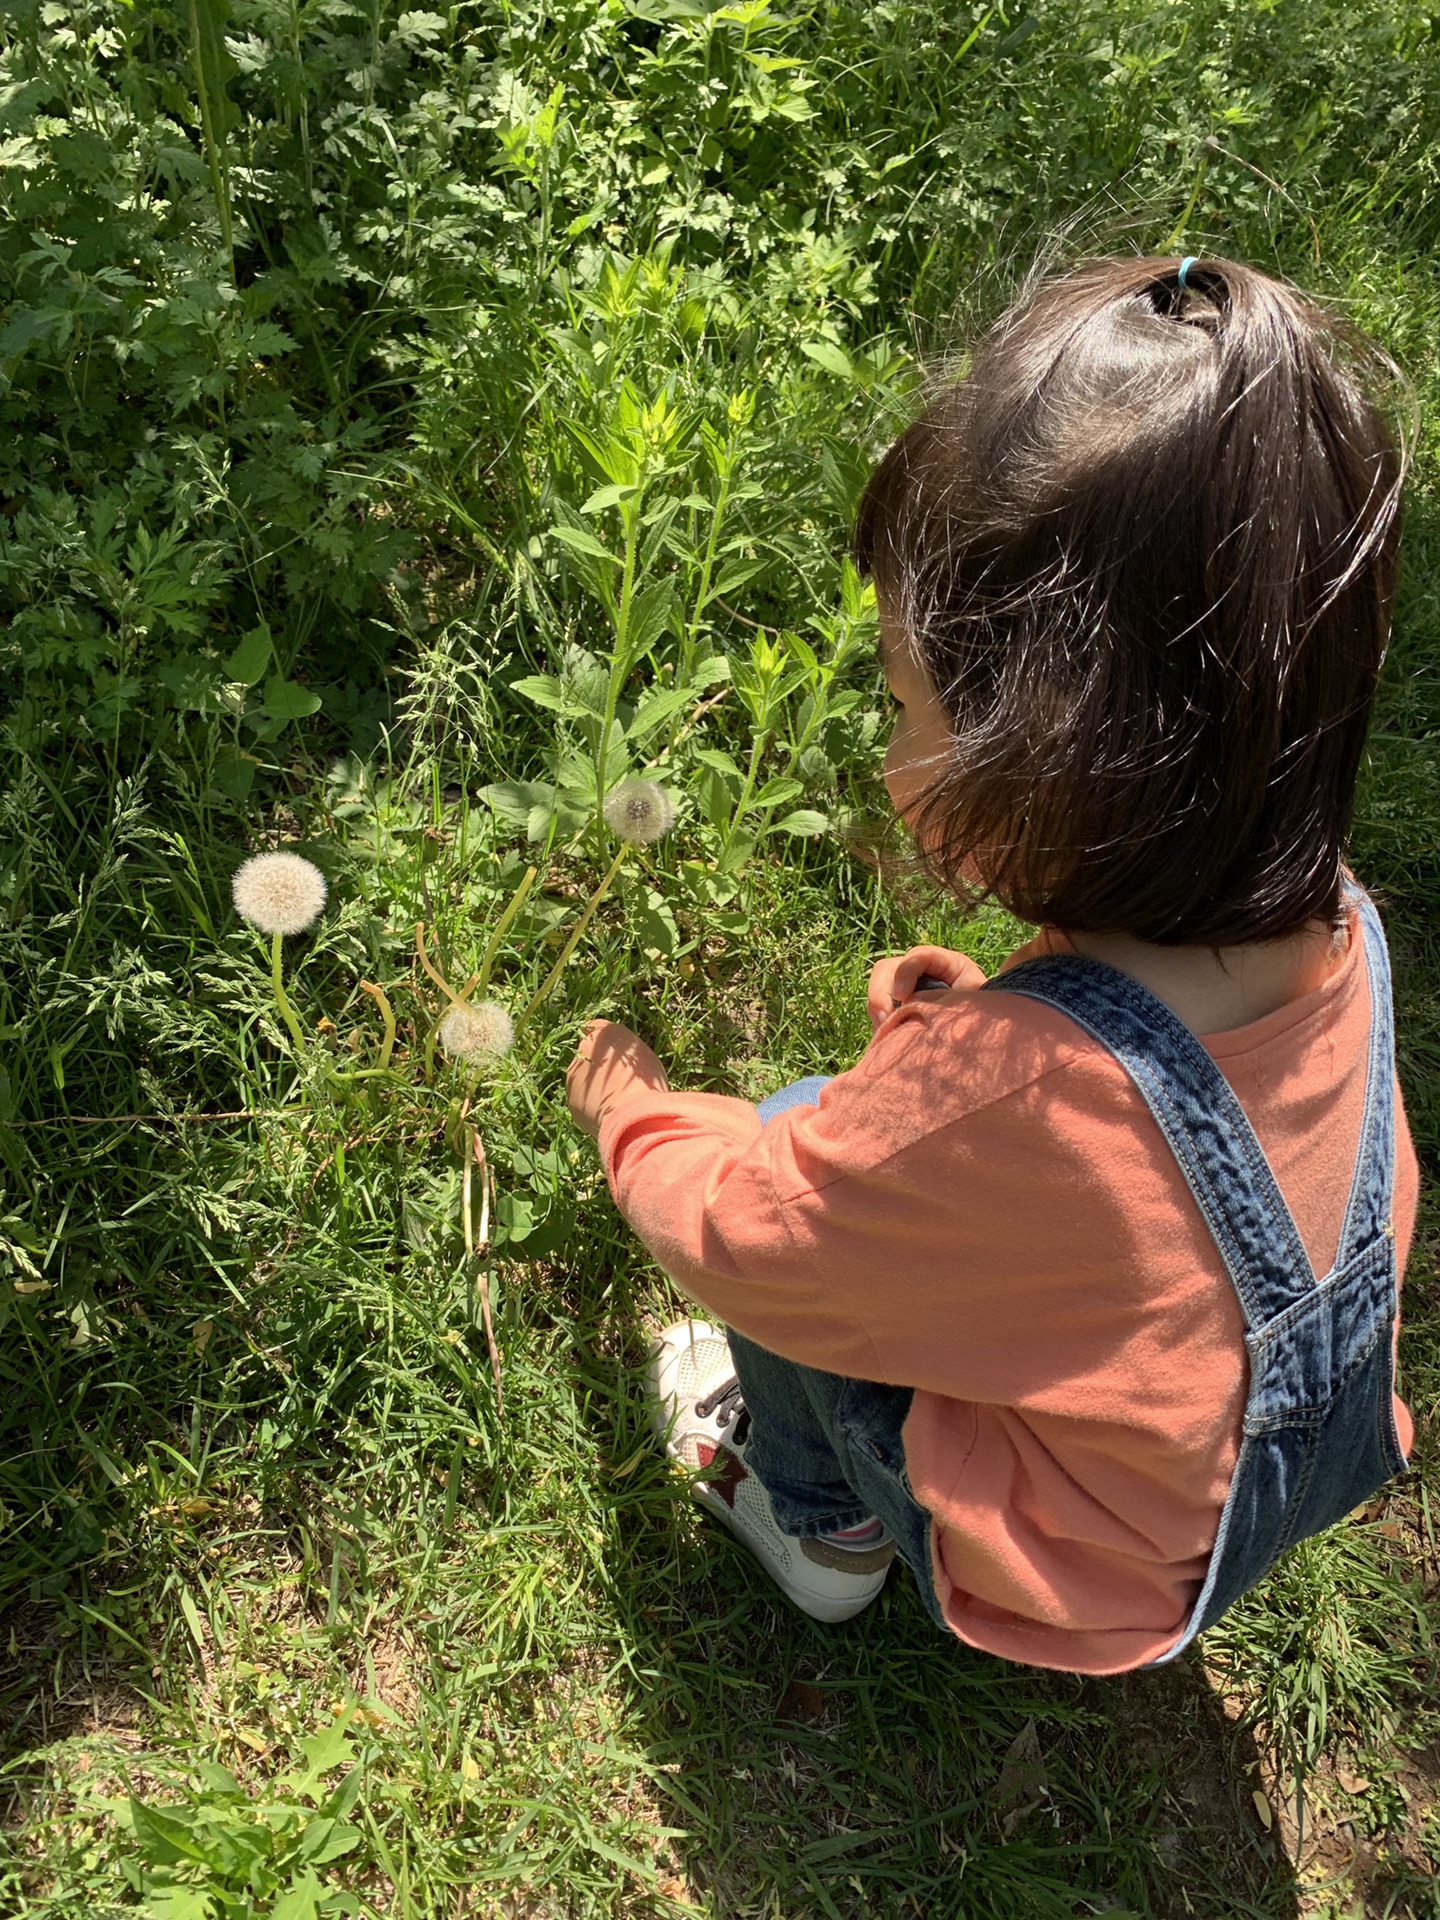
pixel 256 1484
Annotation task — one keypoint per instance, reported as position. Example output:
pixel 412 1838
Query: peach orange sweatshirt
pixel 983 1209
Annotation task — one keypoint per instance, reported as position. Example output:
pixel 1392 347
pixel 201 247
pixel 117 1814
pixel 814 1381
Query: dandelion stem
pixel 434 973
pixel 502 927
pixel 287 1012
pixel 387 1014
pixel 467 1218
pixel 478 1247
pixel 547 985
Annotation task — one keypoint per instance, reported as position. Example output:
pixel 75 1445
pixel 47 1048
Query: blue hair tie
pixel 1190 260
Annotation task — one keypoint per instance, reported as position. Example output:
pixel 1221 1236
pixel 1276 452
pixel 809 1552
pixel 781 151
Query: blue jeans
pixel 827 1449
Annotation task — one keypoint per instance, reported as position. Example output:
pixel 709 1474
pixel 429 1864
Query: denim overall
pixel 1319 1434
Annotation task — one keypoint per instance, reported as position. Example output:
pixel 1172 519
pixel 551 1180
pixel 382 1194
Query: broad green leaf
pixel 514 1217
pixel 552 1232
pixel 803 652
pixel 653 924
pixel 342 1800
pixel 736 854
pixel 716 795
pixel 581 540
pixel 657 707
pixel 804 823
pixel 586 680
pixel 287 700
pixel 263 336
pixel 164 1834
pixel 26 325
pixel 216 1779
pixel 604 498
pixel 588 557
pixel 537 820
pixel 720 762
pixel 842 703
pixel 649 616
pixel 826 354
pixel 514 801
pixel 421 28
pixel 178 1903
pixel 323 1751
pixel 776 792
pixel 326 1839
pixel 735 574
pixel 612 456
pixel 543 689
pixel 248 662
pixel 301 1901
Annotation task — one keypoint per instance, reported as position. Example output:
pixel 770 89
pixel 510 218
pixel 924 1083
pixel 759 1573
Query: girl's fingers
pixel 880 1000
pixel 937 965
pixel 897 978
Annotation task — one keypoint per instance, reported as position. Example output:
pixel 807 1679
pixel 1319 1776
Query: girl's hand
pixel 896 979
pixel 609 1059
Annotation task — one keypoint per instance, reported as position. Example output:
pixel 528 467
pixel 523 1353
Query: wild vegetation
pixel 415 424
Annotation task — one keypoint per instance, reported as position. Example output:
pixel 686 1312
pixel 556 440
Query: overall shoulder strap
pixel 1368 1213
pixel 1203 1123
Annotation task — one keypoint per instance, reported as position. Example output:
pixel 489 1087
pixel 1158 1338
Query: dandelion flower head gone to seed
pixel 279 892
pixel 639 811
pixel 483 1032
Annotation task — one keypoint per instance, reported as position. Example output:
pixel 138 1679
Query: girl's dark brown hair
pixel 1146 552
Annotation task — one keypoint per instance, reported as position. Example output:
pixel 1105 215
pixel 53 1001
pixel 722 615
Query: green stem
pixel 620 659
pixel 751 773
pixel 1172 244
pixel 211 139
pixel 707 568
pixel 282 1001
pixel 502 927
pixel 547 985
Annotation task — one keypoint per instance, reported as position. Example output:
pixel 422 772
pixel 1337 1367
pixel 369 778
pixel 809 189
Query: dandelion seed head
pixel 639 811
pixel 279 892
pixel 483 1032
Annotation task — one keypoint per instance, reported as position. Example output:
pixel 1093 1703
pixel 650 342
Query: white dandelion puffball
pixel 483 1032
pixel 639 811
pixel 279 892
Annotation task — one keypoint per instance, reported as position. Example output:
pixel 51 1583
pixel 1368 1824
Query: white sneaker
pixel 701 1418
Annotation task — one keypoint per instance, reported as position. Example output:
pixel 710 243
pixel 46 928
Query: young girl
pixel 1084 1317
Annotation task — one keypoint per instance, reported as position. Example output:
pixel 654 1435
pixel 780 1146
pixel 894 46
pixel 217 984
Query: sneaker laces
pixel 727 1403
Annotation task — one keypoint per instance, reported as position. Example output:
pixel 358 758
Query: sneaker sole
pixel 827 1608
pixel 868 1566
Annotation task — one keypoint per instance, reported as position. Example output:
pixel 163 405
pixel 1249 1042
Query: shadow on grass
pixel 880 1768
pixel 876 1769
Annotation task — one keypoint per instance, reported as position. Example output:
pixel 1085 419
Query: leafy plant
pixel 218 1854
